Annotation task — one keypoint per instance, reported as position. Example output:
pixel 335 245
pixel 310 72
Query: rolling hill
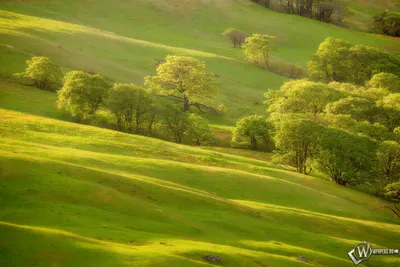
pixel 78 195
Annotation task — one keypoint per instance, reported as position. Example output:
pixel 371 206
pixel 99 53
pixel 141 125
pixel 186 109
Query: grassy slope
pixel 76 195
pixel 83 196
pixel 363 11
pixel 122 40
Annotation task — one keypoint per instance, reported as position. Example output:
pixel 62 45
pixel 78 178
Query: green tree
pixel 387 23
pixel 376 131
pixel 302 96
pixel 347 158
pixel 258 48
pixel 43 72
pixel 330 63
pixel 390 111
pixel 176 122
pixel 360 109
pixel 337 60
pixel 389 161
pixel 392 193
pixel 296 141
pixel 130 104
pixel 198 130
pixel 236 36
pixel 83 93
pixel 388 81
pixel 185 80
pixel 254 128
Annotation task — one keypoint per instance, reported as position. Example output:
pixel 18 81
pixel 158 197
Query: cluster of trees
pixel 340 61
pixel 338 129
pixel 387 23
pixel 42 73
pixel 258 49
pixel 170 100
pixel 331 11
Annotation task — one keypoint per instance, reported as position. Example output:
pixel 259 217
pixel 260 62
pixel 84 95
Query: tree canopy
pixel 236 36
pixel 185 80
pixel 254 128
pixel 259 47
pixel 338 60
pixel 83 93
pixel 43 72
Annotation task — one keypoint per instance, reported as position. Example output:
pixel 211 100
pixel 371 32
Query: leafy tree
pixel 360 109
pixel 198 129
pixel 83 93
pixel 258 48
pixel 236 36
pixel 176 122
pixel 392 193
pixel 388 81
pixel 302 96
pixel 130 104
pixel 185 80
pixel 295 71
pixel 254 128
pixel 387 22
pixel 347 158
pixel 376 131
pixel 296 141
pixel 43 72
pixel 337 60
pixel 390 111
pixel 364 62
pixel 389 161
pixel 330 61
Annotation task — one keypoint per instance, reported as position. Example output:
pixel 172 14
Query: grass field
pixel 125 47
pixel 77 195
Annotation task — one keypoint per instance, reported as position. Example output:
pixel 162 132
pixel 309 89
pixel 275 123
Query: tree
pixel 302 96
pixel 130 104
pixel 254 128
pixel 392 193
pixel 296 141
pixel 376 131
pixel 185 80
pixel 258 48
pixel 83 93
pixel 198 130
pixel 330 61
pixel 387 23
pixel 43 72
pixel 387 81
pixel 176 122
pixel 236 36
pixel 390 111
pixel 389 161
pixel 337 60
pixel 347 158
pixel 360 109
pixel 364 62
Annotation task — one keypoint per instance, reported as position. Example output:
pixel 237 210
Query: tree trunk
pixel 186 105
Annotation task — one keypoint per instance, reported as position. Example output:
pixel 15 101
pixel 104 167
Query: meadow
pixel 79 195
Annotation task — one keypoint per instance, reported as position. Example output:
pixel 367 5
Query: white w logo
pixel 364 251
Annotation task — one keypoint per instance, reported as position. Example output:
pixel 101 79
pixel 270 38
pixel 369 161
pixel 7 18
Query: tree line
pixel 344 121
pixel 172 99
pixel 331 11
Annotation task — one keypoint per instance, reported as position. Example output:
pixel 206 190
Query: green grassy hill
pixel 77 195
pixel 124 39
